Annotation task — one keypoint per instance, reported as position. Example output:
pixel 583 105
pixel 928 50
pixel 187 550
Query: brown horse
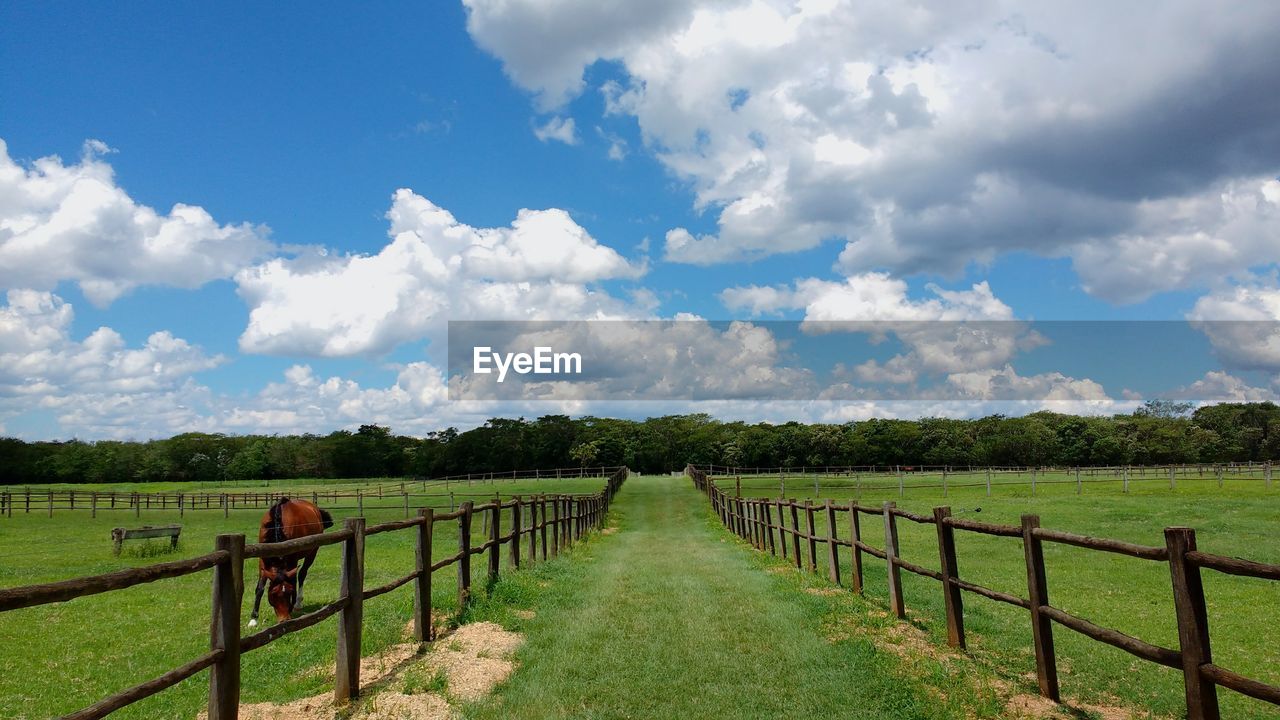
pixel 286 520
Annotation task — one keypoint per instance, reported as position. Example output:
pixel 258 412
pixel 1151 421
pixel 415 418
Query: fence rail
pixel 950 477
pixel 26 500
pixel 752 519
pixel 574 516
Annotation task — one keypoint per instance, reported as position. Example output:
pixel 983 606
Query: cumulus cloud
pixel 1243 324
pixel 1217 386
pixel 38 356
pixel 1132 139
pixel 73 222
pixel 544 266
pixel 98 385
pixel 557 128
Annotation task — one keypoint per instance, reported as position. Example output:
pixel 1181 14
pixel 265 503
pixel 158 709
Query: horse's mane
pixel 275 528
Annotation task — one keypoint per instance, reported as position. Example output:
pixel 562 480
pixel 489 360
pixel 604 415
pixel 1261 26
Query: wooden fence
pixel 26 500
pixel 950 477
pixel 571 517
pixel 753 519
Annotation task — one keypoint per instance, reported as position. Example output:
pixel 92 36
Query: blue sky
pixel 742 160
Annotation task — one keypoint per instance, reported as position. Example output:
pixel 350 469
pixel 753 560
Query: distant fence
pixel 753 520
pixel 950 477
pixel 571 517
pixel 409 491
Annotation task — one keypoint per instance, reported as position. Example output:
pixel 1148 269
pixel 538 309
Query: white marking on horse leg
pixel 253 622
pixel 297 603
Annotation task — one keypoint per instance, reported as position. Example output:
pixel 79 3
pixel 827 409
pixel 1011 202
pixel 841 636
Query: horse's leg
pixel 302 577
pixel 257 599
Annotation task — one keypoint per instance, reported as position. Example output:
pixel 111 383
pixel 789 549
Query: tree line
pixel 1159 432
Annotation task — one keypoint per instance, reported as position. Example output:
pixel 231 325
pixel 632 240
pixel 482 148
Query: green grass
pixel 1241 518
pixel 57 658
pixel 671 618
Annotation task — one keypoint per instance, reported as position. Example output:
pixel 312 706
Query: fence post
pixel 950 571
pixel 855 535
pixel 1219 471
pixel 896 603
pixel 1078 486
pixel 555 526
pixel 346 684
pixel 833 555
pixel 782 528
pixel 795 531
pixel 226 507
pixel 422 585
pixel 1193 624
pixel 988 482
pixel 495 519
pixel 464 562
pixel 1038 595
pixel 768 526
pixel 1126 478
pixel 1171 480
pixel 533 530
pixel 1266 473
pixel 542 516
pixel 813 542
pixel 224 630
pixel 515 533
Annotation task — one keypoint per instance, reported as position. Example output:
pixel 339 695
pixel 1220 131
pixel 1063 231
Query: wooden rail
pixel 752 519
pixel 28 500
pixel 575 516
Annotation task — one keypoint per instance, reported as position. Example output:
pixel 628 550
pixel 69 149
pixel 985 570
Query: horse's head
pixel 282 592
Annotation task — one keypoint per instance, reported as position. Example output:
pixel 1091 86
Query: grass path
pixel 669 617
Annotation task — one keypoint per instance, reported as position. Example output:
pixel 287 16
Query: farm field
pixel 1240 519
pixel 60 657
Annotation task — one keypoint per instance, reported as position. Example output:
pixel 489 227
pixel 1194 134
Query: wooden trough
pixel 119 535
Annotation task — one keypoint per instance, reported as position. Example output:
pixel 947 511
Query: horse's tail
pixel 326 518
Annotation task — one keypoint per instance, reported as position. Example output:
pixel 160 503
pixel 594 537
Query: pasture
pixel 1239 518
pixel 58 658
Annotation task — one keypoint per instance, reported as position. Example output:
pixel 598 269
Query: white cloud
pixel 98 385
pixel 38 356
pixel 434 269
pixel 1243 324
pixel 1217 386
pixel 930 137
pixel 1188 241
pixel 557 128
pixel 73 222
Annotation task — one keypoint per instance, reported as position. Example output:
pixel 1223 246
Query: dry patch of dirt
pixel 609 531
pixel 393 705
pixel 1038 707
pixel 524 614
pixel 824 592
pixel 474 659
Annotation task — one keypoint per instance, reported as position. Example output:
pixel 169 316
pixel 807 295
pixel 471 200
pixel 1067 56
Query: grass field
pixel 1241 518
pixel 58 658
pixel 669 618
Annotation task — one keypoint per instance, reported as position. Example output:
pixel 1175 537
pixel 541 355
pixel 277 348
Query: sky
pixel 262 219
